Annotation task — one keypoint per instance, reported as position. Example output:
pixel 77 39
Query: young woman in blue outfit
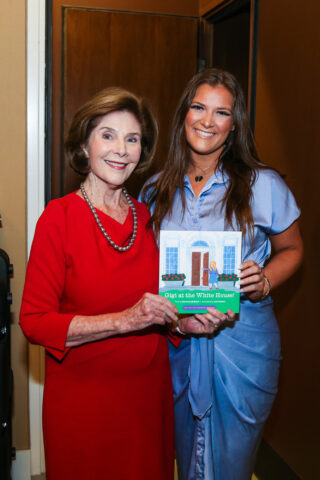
pixel 225 381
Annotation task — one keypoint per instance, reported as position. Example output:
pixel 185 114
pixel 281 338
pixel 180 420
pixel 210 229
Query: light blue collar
pixel 219 177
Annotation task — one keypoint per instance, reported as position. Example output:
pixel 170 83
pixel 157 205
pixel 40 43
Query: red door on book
pixel 196 261
pixel 200 261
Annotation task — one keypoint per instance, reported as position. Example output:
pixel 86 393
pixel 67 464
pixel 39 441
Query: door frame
pixel 220 10
pixel 36 39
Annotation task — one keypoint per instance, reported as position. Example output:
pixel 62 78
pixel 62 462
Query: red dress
pixel 107 408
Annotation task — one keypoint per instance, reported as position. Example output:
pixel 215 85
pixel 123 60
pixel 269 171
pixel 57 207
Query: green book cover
pixel 200 269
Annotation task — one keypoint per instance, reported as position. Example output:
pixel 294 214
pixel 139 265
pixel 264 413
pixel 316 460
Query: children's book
pixel 200 269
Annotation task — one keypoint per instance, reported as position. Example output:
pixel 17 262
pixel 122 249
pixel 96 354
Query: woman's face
pixel 209 121
pixel 114 147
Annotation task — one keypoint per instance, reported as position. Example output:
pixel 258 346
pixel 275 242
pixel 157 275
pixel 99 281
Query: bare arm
pixel 149 310
pixel 288 252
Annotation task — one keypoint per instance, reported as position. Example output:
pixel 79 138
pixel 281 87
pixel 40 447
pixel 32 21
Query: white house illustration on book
pixel 190 253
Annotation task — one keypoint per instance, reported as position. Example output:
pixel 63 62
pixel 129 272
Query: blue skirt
pixel 224 388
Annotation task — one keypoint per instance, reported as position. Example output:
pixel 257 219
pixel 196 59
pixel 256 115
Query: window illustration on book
pixel 200 269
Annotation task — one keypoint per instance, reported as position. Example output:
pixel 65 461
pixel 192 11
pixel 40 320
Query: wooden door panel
pixel 152 55
pixel 196 261
pixel 206 265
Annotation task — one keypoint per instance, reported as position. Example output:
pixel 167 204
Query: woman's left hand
pixel 252 280
pixel 205 323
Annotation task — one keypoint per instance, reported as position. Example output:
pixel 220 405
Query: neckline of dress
pixel 101 212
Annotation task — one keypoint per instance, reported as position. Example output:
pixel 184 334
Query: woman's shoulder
pixel 57 209
pixel 146 190
pixel 272 198
pixel 267 178
pixel 153 178
pixel 267 175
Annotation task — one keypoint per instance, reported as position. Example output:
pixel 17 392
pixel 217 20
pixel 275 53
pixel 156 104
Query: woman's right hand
pixel 150 310
pixel 205 323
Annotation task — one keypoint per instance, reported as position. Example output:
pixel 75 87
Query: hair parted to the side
pixel 239 159
pixel 87 117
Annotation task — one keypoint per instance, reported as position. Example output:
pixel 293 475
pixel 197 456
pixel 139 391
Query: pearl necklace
pixel 135 220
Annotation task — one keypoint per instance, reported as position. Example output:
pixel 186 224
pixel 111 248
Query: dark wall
pixel 287 133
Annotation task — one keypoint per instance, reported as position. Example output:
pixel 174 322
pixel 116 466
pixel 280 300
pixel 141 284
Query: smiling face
pixel 208 123
pixel 114 148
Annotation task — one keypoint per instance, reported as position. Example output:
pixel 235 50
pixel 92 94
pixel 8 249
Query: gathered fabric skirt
pixel 224 388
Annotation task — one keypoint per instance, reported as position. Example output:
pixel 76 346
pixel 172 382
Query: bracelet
pixel 177 329
pixel 265 295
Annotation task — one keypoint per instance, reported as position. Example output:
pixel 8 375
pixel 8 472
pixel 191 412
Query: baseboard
pixel 21 466
pixel 270 466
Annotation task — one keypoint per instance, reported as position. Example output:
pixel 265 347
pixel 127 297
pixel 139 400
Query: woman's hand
pixel 287 256
pixel 252 280
pixel 205 323
pixel 151 309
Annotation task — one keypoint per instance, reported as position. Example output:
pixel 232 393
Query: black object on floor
pixel 6 377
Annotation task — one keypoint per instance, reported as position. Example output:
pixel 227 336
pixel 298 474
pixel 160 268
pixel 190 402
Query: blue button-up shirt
pixel 273 206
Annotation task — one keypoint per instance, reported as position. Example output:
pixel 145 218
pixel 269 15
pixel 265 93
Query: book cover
pixel 200 269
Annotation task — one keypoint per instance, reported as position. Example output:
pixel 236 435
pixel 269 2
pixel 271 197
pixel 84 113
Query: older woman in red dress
pixel 90 299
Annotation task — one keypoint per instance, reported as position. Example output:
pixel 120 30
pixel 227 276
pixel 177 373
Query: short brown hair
pixel 87 117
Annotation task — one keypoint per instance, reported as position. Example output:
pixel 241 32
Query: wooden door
pixel 205 272
pixel 152 55
pixel 196 263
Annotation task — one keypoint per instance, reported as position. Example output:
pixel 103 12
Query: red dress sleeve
pixel 40 316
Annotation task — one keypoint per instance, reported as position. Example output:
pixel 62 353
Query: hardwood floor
pixel 176 475
pixel 43 476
